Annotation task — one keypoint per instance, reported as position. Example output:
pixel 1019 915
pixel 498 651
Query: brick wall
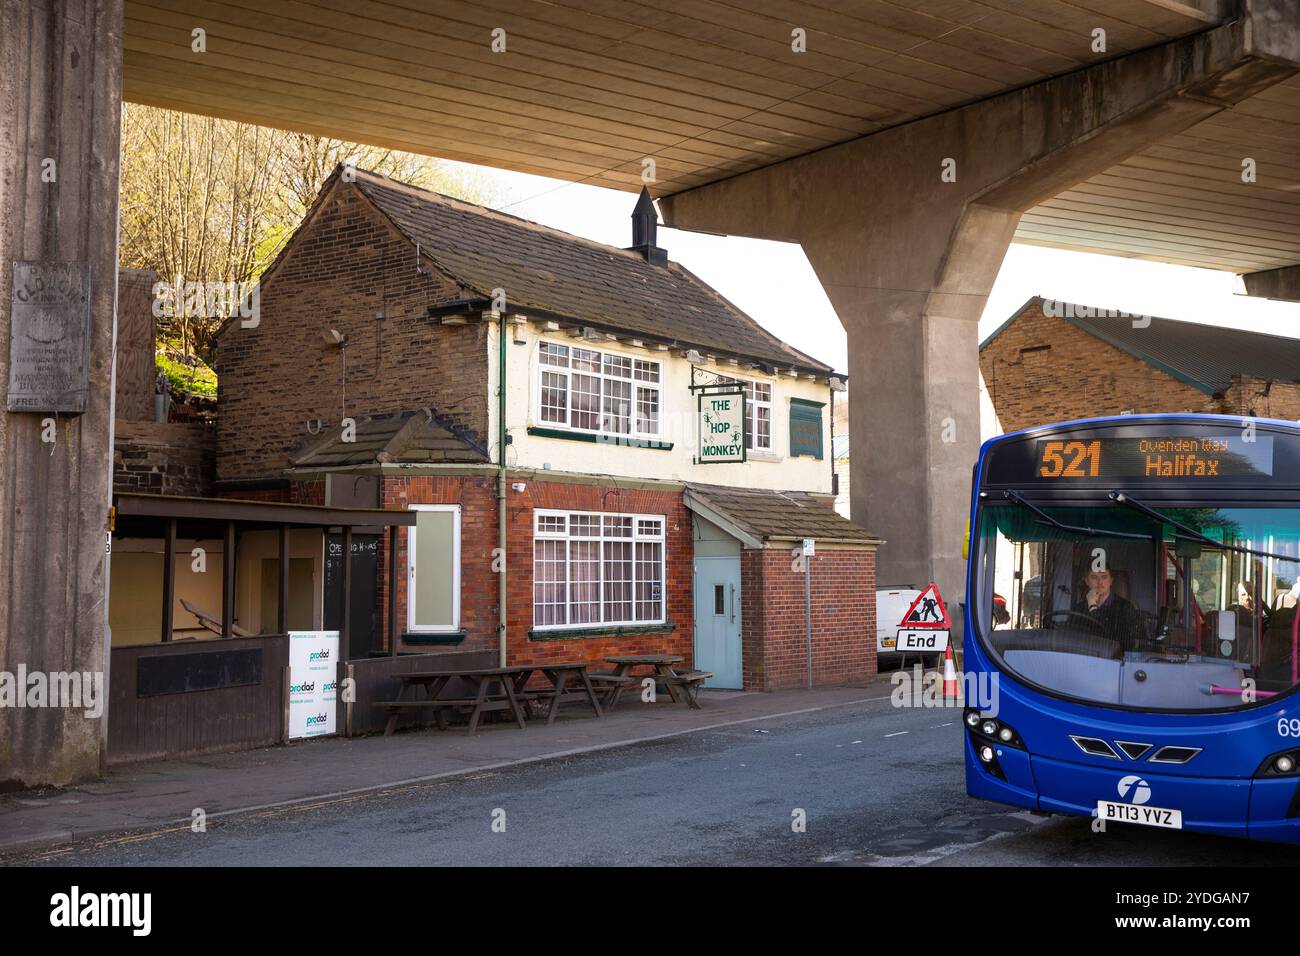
pixel 1042 369
pixel 1252 396
pixel 773 639
pixel 345 266
pixel 479 583
pixel 163 459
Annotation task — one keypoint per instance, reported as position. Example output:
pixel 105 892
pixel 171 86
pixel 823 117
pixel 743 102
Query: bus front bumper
pixel 1260 809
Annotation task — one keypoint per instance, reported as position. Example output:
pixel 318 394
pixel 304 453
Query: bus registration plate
pixel 1146 816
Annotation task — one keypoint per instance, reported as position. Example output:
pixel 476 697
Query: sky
pixel 773 282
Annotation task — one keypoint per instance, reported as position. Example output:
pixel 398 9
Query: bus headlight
pixel 986 753
pixel 1284 764
pixel 990 730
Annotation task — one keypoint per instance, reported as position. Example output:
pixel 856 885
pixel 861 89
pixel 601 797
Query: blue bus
pixel 1131 594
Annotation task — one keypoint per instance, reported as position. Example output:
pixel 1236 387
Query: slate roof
pixel 1204 356
pixel 777 515
pixel 415 437
pixel 548 271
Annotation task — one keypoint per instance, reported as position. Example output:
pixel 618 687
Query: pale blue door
pixel 717 620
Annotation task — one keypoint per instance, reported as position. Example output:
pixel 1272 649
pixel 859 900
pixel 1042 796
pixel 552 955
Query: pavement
pixel 161 794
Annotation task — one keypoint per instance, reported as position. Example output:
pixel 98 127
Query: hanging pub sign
pixel 49 337
pixel 722 426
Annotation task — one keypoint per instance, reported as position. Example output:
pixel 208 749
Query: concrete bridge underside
pixel 1135 149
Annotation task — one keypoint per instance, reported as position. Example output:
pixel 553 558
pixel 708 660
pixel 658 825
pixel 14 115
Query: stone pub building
pixel 528 395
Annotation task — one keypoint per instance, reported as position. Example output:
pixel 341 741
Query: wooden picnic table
pixel 559 675
pixel 485 700
pixel 509 694
pixel 687 682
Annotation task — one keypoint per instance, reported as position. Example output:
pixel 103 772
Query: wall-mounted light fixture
pixel 334 337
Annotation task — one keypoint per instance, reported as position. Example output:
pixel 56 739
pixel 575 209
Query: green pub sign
pixel 722 427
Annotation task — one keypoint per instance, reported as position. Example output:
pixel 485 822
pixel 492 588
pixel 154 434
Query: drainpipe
pixel 835 485
pixel 501 485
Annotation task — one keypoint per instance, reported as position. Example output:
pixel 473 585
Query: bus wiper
pixel 1184 531
pixel 1045 518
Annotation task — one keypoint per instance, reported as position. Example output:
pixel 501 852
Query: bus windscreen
pixel 1093 593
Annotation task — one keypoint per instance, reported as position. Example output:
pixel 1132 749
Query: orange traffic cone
pixel 950 691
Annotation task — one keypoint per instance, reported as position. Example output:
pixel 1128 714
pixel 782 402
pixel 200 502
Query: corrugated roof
pixel 780 515
pixel 416 437
pixel 1204 356
pixel 550 271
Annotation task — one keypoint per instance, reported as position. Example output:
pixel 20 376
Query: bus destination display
pixel 1176 457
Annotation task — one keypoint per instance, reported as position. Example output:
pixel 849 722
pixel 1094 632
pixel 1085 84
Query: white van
pixel 891 605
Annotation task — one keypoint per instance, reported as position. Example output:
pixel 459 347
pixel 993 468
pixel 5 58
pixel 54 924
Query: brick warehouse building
pixel 388 324
pixel 1055 361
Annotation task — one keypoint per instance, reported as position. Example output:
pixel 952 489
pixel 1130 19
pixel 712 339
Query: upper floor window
pixel 758 413
pixel 599 392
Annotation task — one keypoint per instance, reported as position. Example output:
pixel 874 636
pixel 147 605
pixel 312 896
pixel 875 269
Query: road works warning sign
pixel 925 626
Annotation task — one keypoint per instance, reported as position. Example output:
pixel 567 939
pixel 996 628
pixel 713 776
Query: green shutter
pixel 806 427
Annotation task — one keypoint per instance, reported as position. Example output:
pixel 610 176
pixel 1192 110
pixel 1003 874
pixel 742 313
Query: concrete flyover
pixel 822 123
pixel 907 228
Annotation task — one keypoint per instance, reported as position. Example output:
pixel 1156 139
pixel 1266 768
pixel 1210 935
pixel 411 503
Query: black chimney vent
pixel 645 225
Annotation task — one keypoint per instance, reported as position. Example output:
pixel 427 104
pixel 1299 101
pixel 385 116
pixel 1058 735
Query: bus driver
pixel 1116 618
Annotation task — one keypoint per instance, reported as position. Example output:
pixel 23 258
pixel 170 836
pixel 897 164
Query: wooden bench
pixel 690 682
pixel 469 705
pixel 612 684
pixel 485 700
pixel 569 682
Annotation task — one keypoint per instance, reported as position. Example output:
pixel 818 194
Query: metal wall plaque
pixel 49 337
pixel 805 428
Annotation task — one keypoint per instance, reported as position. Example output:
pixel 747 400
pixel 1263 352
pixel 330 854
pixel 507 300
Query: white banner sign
pixel 722 427
pixel 313 682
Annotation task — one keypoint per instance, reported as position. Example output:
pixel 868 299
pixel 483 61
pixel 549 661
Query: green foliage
pixel 186 374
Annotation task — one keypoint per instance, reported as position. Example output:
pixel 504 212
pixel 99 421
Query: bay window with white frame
pixel 433 570
pixel 594 569
pixel 599 392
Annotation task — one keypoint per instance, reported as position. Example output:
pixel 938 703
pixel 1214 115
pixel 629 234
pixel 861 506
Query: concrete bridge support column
pixel 906 230
pixel 1282 284
pixel 60 108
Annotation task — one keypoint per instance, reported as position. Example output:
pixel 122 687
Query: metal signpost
pixel 809 549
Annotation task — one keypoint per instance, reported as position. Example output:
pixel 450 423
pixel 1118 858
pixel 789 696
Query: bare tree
pixel 213 200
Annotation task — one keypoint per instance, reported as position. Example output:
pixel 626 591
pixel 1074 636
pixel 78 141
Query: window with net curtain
pixel 592 569
pixel 433 563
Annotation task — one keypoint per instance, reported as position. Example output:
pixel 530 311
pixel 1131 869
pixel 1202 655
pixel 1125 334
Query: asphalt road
pixel 877 786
